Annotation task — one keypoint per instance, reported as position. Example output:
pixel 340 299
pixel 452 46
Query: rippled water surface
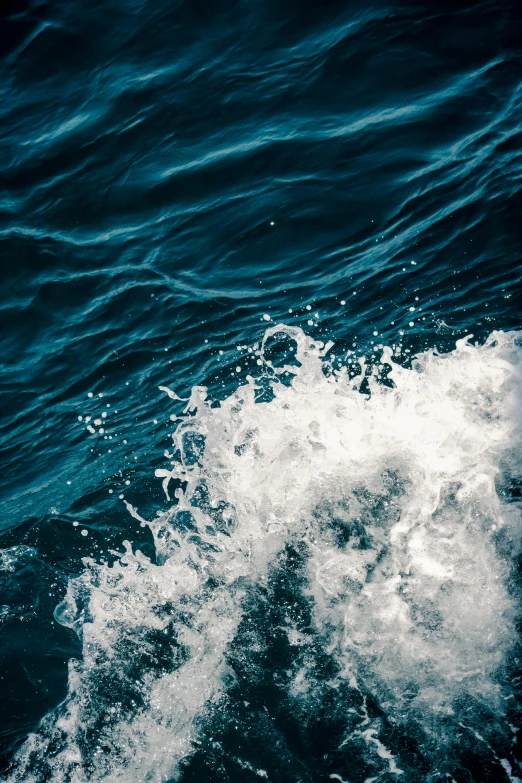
pixel 260 391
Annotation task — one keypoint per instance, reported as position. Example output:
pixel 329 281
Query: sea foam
pixel 393 483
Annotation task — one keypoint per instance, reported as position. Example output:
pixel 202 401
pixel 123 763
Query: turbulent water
pixel 261 392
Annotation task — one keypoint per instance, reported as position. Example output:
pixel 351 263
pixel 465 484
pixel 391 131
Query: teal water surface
pixel 176 179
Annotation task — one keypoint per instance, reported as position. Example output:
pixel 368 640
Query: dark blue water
pixel 175 179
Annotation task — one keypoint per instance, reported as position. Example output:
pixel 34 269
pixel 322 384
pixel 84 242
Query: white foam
pixel 408 548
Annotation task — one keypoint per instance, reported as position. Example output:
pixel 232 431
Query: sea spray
pixel 387 482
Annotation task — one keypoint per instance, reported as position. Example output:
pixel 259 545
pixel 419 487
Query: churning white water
pixel 393 485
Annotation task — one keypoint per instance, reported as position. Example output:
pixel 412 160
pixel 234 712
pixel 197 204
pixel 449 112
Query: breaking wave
pixel 351 526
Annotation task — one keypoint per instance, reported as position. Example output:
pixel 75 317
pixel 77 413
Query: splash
pixel 392 484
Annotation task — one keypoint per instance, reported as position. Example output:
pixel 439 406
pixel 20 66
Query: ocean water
pixel 261 378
